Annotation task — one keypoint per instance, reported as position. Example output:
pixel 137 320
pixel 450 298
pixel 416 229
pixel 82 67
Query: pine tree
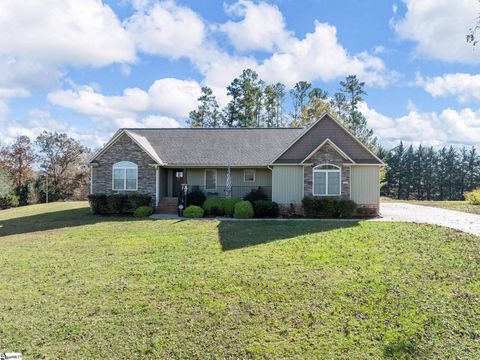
pixel 207 114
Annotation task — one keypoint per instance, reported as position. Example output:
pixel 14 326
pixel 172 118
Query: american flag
pixel 228 184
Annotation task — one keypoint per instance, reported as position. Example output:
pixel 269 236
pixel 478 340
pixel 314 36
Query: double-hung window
pixel 211 179
pixel 125 176
pixel 326 180
pixel 249 175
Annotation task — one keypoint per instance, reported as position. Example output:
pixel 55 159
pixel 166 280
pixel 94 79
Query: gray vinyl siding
pixel 327 128
pixel 263 177
pixel 365 185
pixel 287 184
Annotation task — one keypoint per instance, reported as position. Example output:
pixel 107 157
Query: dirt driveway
pixel 469 223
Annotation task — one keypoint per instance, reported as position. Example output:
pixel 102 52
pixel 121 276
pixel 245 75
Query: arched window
pixel 125 176
pixel 326 180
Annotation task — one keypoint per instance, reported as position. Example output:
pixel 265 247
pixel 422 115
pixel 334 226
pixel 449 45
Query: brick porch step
pixel 167 205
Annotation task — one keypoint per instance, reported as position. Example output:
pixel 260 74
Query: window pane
pixel 249 175
pixel 210 179
pixel 118 179
pixel 334 183
pixel 319 183
pixel 131 179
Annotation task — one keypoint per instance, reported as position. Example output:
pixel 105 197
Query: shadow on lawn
pixel 50 221
pixel 236 235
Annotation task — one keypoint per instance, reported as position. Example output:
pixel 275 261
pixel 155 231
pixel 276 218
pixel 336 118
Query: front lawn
pixel 73 285
pixel 462 206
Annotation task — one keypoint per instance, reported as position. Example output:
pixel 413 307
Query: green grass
pixel 462 206
pixel 73 285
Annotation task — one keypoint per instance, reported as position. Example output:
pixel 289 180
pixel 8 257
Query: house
pixel 324 159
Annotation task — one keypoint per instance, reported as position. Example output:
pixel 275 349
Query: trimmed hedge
pixel 143 211
pixel 196 197
pixel 9 201
pixel 213 206
pixel 243 210
pixel 117 203
pixel 265 209
pixel 473 197
pixel 256 194
pixel 229 205
pixel 193 211
pixel 328 207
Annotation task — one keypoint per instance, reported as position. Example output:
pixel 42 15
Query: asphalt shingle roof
pixel 216 147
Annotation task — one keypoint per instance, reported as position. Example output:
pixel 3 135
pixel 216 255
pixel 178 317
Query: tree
pixel 63 161
pixel 18 159
pixel 472 35
pixel 299 96
pixel 207 114
pixel 347 103
pixel 6 186
pixel 245 106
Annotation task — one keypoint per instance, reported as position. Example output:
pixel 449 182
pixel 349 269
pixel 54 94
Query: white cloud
pixel 318 56
pixel 430 128
pixel 40 120
pixel 167 97
pixel 77 32
pixel 439 28
pixel 262 27
pixel 465 87
pixel 38 38
pixel 167 29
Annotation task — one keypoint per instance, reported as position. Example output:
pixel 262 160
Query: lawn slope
pixel 73 285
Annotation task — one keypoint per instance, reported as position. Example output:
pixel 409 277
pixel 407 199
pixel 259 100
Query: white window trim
pixel 254 175
pixel 326 171
pixel 205 180
pixel 124 168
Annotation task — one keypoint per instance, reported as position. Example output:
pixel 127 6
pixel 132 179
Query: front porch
pixel 211 181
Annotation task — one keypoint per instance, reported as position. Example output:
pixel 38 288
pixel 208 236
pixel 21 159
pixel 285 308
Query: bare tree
pixel 18 159
pixel 63 161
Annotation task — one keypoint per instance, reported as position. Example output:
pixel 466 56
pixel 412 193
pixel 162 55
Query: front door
pixel 177 181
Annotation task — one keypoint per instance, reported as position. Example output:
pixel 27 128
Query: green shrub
pixel 213 206
pixel 143 211
pixel 229 205
pixel 136 200
pixel 196 197
pixel 265 208
pixel 346 208
pixel 473 197
pixel 256 194
pixel 328 207
pixel 9 201
pixel 193 211
pixel 243 210
pixel 117 203
pixel 98 203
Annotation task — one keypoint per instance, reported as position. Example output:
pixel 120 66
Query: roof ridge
pixel 210 129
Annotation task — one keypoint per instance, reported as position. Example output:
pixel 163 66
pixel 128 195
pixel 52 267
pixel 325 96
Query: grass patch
pixel 73 285
pixel 462 206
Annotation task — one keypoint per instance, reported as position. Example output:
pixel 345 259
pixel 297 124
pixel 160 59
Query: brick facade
pixel 327 154
pixel 124 149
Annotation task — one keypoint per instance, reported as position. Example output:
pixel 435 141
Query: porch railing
pixel 237 191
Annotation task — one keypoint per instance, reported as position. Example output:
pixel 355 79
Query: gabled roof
pixel 326 127
pixel 335 147
pixel 221 147
pixel 211 147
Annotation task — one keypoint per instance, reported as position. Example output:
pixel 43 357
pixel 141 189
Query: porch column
pixel 157 185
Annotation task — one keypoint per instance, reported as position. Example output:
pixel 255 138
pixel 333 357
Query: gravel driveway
pixel 469 223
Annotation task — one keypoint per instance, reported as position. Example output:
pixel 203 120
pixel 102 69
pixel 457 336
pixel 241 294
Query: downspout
pixel 157 185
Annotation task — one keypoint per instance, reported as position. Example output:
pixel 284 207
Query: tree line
pixel 54 164
pixel 426 173
pixel 254 103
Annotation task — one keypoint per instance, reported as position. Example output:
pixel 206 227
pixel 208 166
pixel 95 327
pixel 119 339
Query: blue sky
pixel 88 67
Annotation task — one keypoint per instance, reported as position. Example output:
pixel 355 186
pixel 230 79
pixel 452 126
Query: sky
pixel 87 67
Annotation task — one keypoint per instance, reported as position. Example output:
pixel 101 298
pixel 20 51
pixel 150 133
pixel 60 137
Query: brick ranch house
pixel 324 159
